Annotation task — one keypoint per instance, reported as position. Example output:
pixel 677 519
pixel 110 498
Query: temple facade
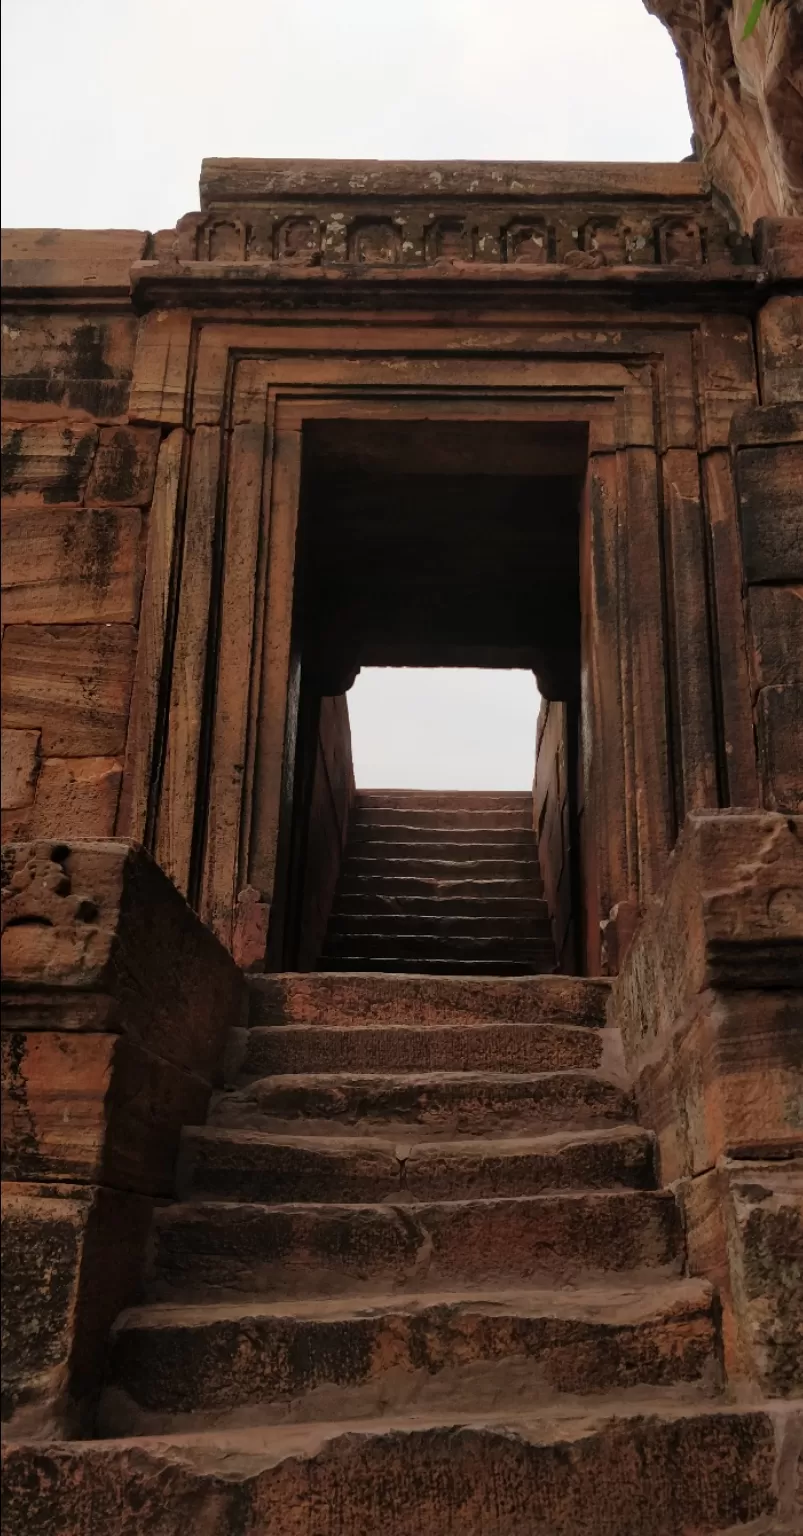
pixel 405 1162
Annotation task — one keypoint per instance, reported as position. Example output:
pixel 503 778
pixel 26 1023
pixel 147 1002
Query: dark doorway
pixel 422 544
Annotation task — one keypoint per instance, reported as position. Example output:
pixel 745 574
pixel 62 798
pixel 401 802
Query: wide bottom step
pixel 647 1470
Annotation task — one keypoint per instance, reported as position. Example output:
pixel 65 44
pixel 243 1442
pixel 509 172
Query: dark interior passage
pixel 426 544
pixel 441 544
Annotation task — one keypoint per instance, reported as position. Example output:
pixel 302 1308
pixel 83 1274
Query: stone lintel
pixel 225 181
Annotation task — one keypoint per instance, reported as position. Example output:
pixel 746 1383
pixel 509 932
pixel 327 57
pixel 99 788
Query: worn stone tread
pixel 609 1469
pixel 251 1165
pixel 323 1248
pixel 269 1049
pixel 360 998
pixel 384 1350
pixel 458 948
pixel 447 1103
pixel 357 918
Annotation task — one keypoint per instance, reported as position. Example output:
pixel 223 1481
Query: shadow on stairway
pixel 440 883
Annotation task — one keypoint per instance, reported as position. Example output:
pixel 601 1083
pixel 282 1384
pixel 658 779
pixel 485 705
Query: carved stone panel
pixel 376 244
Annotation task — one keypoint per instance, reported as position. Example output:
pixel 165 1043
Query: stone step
pixel 531 922
pixel 338 1000
pixel 388 816
pixel 320 1249
pixel 435 907
pixel 382 834
pixel 444 799
pixel 537 950
pixel 301 1360
pixel 437 887
pixel 449 1104
pixel 618 1468
pixel 491 965
pixel 217 1164
pixel 369 866
pixel 271 1049
pixel 442 851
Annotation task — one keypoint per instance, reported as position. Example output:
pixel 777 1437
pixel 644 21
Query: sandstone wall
pixel 134 539
pixel 116 1008
pixel 77 481
pixel 710 1004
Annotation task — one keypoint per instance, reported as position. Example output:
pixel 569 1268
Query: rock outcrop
pixel 745 98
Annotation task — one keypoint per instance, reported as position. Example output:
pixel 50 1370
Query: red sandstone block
pixel 776 625
pixel 744 1229
pixel 75 797
pixel 75 362
pixel 47 463
pixel 71 258
pixel 71 681
pixel 770 491
pixel 95 937
pixel 779 713
pixel 71 566
pixel 20 766
pixel 779 334
pixel 729 1082
pixel 71 1260
pixel 729 915
pixel 124 468
pixel 94 1108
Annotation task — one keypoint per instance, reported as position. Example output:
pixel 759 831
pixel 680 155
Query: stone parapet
pixel 117 1004
pixel 710 1004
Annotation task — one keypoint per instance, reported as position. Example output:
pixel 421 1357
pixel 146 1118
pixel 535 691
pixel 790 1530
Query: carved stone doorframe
pixel 206 768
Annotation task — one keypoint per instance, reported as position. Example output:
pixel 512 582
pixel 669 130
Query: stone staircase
pixel 436 883
pixel 419 1279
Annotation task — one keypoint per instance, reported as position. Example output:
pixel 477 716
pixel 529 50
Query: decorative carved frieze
pixel 334 215
pixel 414 236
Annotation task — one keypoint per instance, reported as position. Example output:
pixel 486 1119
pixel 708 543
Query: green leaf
pixel 750 25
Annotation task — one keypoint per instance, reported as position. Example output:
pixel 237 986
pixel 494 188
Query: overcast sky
pixel 109 106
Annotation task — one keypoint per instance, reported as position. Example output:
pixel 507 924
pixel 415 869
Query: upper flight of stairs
pixel 419 1281
pixel 440 883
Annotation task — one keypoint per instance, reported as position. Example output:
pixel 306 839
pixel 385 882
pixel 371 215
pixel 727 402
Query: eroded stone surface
pixel 744 97
pixel 79 917
pixel 72 1257
pixel 514 1479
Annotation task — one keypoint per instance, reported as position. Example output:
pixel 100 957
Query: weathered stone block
pixel 779 713
pixel 776 623
pixel 96 937
pixel 80 362
pixel 780 349
pixel 762 425
pixel 73 681
pixel 71 566
pixel 47 463
pixel 20 765
pixel 94 1109
pixel 729 1082
pixel 125 467
pixel 744 1227
pixel 71 258
pixel 778 245
pixel 76 797
pixel 770 487
pixel 729 915
pixel 72 1258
